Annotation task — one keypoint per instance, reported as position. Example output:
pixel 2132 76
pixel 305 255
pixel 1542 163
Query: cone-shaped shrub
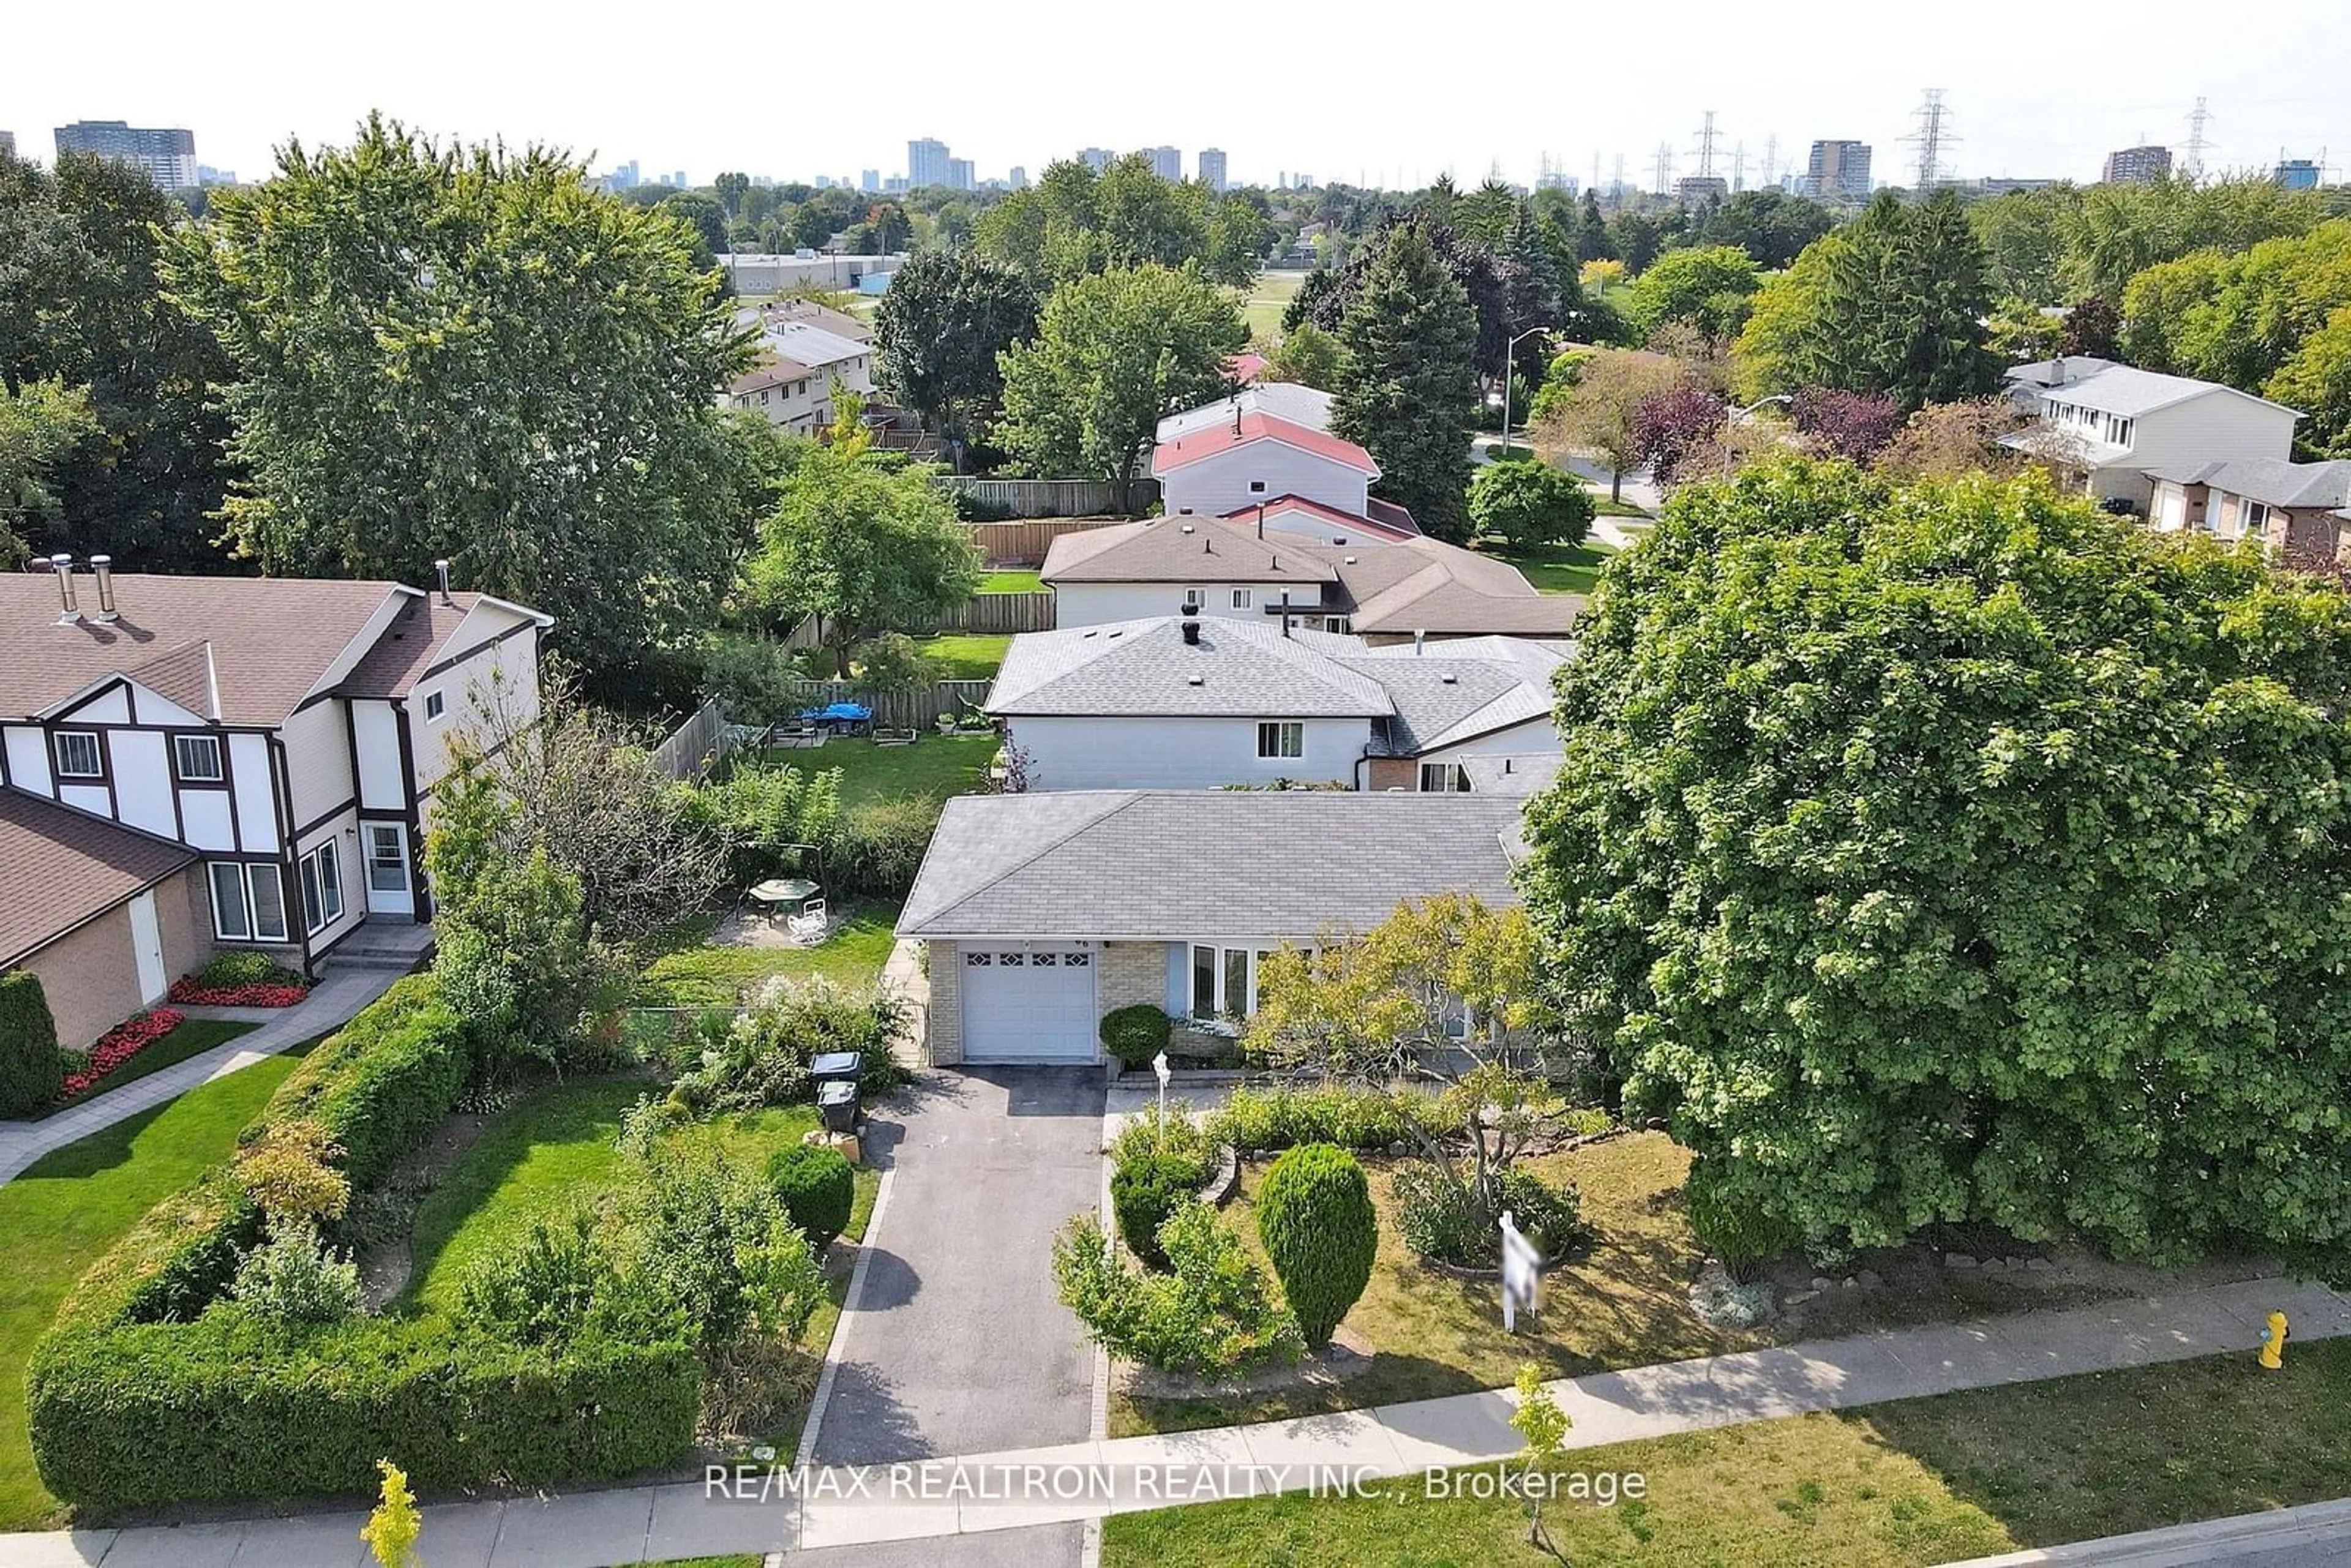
pixel 1314 1215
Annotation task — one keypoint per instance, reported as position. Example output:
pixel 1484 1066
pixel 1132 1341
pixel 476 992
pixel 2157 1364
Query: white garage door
pixel 1027 1004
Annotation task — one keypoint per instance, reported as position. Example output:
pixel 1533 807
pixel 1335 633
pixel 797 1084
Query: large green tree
pixel 1705 288
pixel 1956 853
pixel 81 303
pixel 939 332
pixel 471 353
pixel 1114 354
pixel 1408 383
pixel 1895 305
pixel 41 424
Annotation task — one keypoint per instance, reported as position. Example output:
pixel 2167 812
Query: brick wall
pixel 90 976
pixel 1393 773
pixel 1131 972
pixel 943 1036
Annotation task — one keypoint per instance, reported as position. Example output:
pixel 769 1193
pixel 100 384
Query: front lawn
pixel 1011 581
pixel 192 1037
pixel 60 1215
pixel 1912 1481
pixel 966 655
pixel 1553 569
pixel 1624 1302
pixel 696 973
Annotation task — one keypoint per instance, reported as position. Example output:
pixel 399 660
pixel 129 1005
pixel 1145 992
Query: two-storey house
pixel 2105 426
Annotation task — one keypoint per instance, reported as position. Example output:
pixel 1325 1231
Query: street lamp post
pixel 1508 366
pixel 1737 414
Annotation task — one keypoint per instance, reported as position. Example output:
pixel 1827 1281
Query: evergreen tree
pixel 1898 307
pixel 1592 241
pixel 1408 383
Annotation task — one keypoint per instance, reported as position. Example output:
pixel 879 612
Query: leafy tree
pixel 82 304
pixel 1114 352
pixel 40 423
pixel 1240 231
pixel 1895 305
pixel 2112 233
pixel 1529 503
pixel 2094 328
pixel 1598 417
pixel 1321 1233
pixel 1771 226
pixel 2317 380
pixel 860 548
pixel 1407 383
pixel 1538 1418
pixel 474 355
pixel 1707 288
pixel 1674 427
pixel 1852 426
pixel 1952 440
pixel 937 334
pixel 1306 355
pixel 2022 234
pixel 1954 853
pixel 731 187
pixel 1634 239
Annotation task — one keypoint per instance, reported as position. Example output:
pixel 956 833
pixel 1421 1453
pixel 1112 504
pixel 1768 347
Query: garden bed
pixel 241 979
pixel 141 1047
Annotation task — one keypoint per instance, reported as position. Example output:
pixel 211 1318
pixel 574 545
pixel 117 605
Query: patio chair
pixel 811 923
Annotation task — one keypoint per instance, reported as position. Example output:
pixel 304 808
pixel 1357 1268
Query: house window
pixel 1336 623
pixel 1224 980
pixel 2256 517
pixel 78 755
pixel 1441 776
pixel 1257 486
pixel 435 705
pixel 1240 599
pixel 1282 737
pixel 323 888
pixel 197 758
pixel 248 902
pixel 1193 598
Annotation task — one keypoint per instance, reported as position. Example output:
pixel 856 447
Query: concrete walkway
pixel 344 991
pixel 1022 1489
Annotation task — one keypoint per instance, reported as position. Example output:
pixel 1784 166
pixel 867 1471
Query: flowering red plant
pixel 119 1045
pixel 189 989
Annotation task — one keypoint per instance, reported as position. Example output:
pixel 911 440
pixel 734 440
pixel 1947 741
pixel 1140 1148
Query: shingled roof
pixel 60 868
pixel 1144 669
pixel 1161 865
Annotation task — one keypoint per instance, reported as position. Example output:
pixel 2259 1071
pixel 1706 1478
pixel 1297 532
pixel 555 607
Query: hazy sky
pixel 1365 91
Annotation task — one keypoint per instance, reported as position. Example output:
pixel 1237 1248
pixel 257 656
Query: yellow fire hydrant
pixel 2272 1354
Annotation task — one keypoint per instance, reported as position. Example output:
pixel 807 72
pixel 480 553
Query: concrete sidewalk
pixel 1077 1482
pixel 344 991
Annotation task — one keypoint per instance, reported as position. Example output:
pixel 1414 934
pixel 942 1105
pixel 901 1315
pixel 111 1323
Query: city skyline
pixel 260 73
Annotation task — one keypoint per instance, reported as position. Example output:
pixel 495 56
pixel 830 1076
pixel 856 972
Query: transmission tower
pixel 2198 142
pixel 1738 167
pixel 1932 139
pixel 1772 159
pixel 1665 168
pixel 1706 146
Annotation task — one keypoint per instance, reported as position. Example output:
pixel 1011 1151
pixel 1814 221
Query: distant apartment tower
pixel 1017 179
pixel 2137 166
pixel 928 164
pixel 168 156
pixel 1166 162
pixel 2294 173
pixel 208 176
pixel 960 174
pixel 1696 190
pixel 869 181
pixel 1838 172
pixel 1212 167
pixel 1097 157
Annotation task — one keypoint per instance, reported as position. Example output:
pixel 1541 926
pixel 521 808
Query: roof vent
pixel 1350 560
pixel 440 570
pixel 1120 632
pixel 1187 528
pixel 1338 538
pixel 63 566
pixel 102 568
pixel 1089 630
pixel 1448 680
pixel 1191 633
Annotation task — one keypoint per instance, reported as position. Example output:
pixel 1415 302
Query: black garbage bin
pixel 836 1106
pixel 837 1066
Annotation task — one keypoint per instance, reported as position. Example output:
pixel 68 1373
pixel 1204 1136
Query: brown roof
pixel 1183 550
pixel 421 627
pixel 773 373
pixel 60 867
pixel 839 323
pixel 270 639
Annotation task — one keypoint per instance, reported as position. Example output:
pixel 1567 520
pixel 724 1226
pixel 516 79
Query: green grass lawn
pixel 1554 569
pixel 966 656
pixel 58 1216
pixel 194 1036
pixel 696 974
pixel 1010 580
pixel 1913 1481
pixel 1266 298
pixel 934 767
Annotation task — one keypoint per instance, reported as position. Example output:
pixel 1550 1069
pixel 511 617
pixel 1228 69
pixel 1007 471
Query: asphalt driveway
pixel 955 1344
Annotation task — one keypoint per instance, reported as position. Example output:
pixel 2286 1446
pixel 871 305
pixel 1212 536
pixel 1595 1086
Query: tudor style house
pixel 191 763
pixel 1040 913
pixel 1192 702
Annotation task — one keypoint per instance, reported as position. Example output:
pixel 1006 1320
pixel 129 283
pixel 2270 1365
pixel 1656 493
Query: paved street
pixel 955 1344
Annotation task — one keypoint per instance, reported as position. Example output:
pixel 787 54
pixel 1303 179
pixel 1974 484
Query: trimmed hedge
pixel 818 1189
pixel 32 1072
pixel 1137 1033
pixel 1314 1215
pixel 1283 1118
pixel 150 1390
pixel 1145 1192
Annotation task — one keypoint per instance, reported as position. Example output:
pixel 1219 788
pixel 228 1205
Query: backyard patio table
pixel 777 893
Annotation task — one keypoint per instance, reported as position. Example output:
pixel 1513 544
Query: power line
pixel 2198 142
pixel 1705 147
pixel 1665 167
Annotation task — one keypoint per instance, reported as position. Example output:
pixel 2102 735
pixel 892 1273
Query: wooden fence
pixel 1001 612
pixel 1056 497
pixel 1025 543
pixel 899 707
pixel 692 747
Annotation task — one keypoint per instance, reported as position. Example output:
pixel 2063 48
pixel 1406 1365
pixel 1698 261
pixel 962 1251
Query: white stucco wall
pixel 1221 482
pixel 318 760
pixel 1097 603
pixel 1179 753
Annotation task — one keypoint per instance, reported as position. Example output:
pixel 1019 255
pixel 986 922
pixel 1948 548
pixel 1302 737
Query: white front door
pixel 147 947
pixel 1027 1004
pixel 387 870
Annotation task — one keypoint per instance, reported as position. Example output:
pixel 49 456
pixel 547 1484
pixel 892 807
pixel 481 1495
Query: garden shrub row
pixel 31 1071
pixel 140 1395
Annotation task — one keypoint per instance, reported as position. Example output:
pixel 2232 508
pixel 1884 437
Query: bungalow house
pixel 191 763
pixel 1302 560
pixel 2105 426
pixel 2296 507
pixel 1040 913
pixel 1197 703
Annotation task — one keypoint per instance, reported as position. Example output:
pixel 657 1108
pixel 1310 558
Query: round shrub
pixel 818 1189
pixel 1145 1191
pixel 1135 1034
pixel 1314 1215
pixel 1436 1219
pixel 1734 1228
pixel 1549 1214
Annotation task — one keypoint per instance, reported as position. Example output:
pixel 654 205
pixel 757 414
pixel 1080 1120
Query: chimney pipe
pixel 1285 612
pixel 1419 643
pixel 63 566
pixel 1191 632
pixel 440 570
pixel 1260 520
pixel 102 568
